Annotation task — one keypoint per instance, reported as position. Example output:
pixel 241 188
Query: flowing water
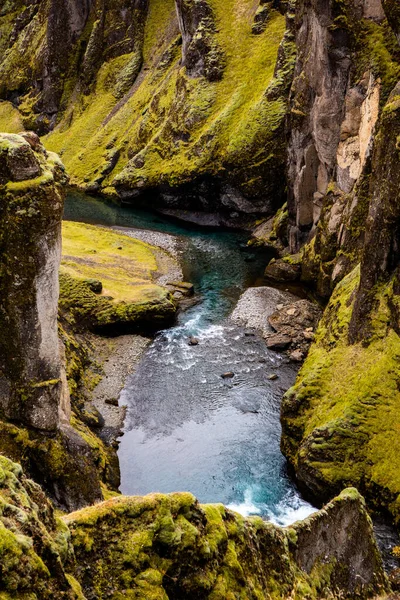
pixel 187 427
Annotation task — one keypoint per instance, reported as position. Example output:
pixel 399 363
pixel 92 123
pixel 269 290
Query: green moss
pixel 10 118
pixel 340 418
pixel 31 565
pixel 125 267
pixel 177 127
pixel 168 546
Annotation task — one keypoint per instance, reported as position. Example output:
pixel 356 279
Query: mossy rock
pixel 340 419
pixel 35 545
pixel 169 546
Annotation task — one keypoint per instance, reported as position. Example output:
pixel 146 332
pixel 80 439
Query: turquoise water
pixel 187 428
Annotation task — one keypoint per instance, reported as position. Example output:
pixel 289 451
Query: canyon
pixel 278 118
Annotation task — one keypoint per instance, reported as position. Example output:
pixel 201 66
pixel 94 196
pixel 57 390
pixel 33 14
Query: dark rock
pixel 228 375
pixel 272 377
pixel 112 401
pixel 91 417
pixel 201 54
pixel 281 271
pixel 95 285
pixel 261 19
pixel 278 342
pixel 193 341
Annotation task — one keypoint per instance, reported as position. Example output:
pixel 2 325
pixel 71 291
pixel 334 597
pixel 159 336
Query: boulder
pixel 281 271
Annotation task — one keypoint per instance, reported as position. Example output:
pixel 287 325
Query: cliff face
pixel 340 419
pixel 172 547
pixel 32 376
pixel 347 67
pixel 35 411
pixel 182 108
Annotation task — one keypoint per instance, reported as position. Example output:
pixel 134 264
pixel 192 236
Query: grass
pixel 10 118
pixel 127 269
pixel 125 266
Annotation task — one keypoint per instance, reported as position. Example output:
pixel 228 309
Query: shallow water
pixel 188 428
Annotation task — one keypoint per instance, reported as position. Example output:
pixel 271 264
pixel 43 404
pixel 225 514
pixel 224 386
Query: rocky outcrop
pixel 35 545
pixel 180 549
pixel 32 377
pixel 333 114
pixel 35 410
pixel 169 546
pixel 201 54
pixel 285 322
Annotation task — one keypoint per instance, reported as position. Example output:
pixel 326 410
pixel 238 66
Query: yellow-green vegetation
pixel 10 118
pixel 34 543
pixel 168 546
pixel 341 420
pixel 107 279
pixel 171 128
pixel 69 465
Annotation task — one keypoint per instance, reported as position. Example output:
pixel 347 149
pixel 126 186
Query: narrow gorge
pixel 199 299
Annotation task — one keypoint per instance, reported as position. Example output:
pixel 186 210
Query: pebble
pixel 228 375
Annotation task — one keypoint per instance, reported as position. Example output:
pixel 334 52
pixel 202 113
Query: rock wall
pixel 35 411
pixel 32 376
pixel 339 430
pixel 180 104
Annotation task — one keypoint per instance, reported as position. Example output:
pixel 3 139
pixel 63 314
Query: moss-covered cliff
pixel 37 427
pixel 340 420
pixel 189 102
pixel 171 547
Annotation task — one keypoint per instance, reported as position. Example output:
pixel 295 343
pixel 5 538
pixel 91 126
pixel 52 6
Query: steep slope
pixel 188 102
pixel 340 421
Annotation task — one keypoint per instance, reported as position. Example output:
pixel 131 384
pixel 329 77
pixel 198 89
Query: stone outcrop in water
pixel 169 546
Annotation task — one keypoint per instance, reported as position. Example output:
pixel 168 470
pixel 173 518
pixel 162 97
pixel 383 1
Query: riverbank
pixel 116 267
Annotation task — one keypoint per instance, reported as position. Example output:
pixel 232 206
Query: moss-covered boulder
pixel 34 543
pixel 169 546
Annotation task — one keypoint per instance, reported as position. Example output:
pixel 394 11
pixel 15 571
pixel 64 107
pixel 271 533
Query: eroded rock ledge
pixel 169 546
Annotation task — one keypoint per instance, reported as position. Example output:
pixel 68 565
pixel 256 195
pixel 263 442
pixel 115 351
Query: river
pixel 187 427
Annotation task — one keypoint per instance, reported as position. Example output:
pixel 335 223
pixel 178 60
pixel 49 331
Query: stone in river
pixel 228 375
pixel 278 342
